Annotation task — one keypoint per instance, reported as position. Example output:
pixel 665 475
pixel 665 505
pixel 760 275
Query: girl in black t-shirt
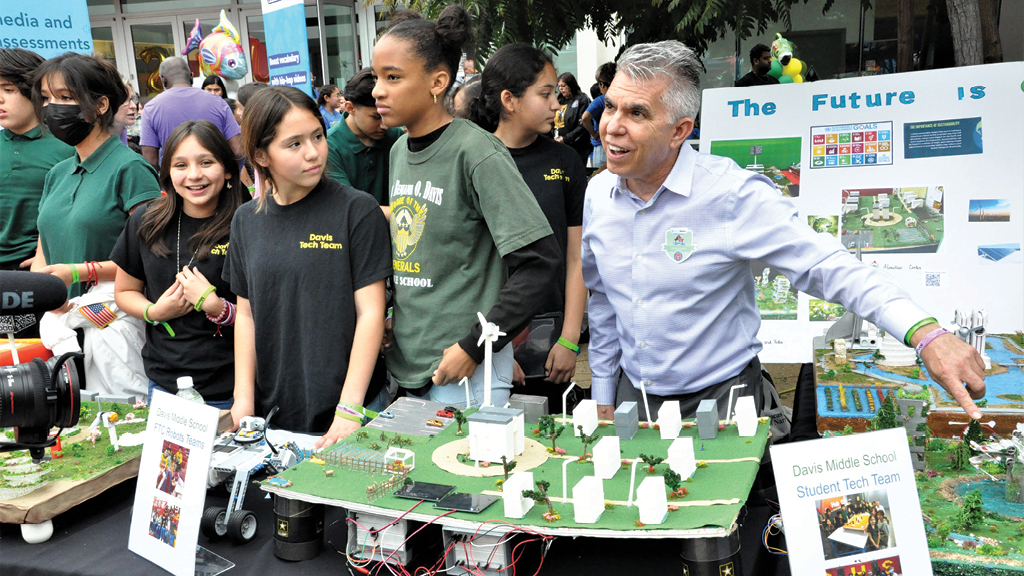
pixel 170 258
pixel 308 261
pixel 518 102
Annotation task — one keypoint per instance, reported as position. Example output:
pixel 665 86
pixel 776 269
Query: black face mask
pixel 67 123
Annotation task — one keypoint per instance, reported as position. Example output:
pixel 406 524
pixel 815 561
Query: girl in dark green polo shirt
pixel 86 198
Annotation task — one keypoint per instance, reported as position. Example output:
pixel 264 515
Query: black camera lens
pixel 40 394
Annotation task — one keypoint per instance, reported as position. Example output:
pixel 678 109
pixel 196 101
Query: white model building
pixel 495 432
pixel 883 200
pixel 516 506
pixel 585 414
pixel 588 500
pixel 911 222
pixel 670 420
pixel 607 457
pixel 680 457
pixel 781 286
pixel 746 416
pixel 970 327
pixel 839 346
pixel 765 276
pixel 896 353
pixel 652 500
pixel 885 213
pixel 876 210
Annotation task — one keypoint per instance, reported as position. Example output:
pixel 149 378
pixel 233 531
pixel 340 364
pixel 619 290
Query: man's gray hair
pixel 175 70
pixel 673 61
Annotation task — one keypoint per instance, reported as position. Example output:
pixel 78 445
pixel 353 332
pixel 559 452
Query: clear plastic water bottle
pixel 186 391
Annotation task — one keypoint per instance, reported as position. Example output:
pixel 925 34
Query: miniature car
pixel 450 409
pixel 435 423
pixel 445 414
pixel 387 414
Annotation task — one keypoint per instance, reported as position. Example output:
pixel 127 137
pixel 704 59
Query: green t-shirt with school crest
pixel 457 207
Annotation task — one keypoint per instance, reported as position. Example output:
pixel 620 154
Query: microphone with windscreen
pixel 24 295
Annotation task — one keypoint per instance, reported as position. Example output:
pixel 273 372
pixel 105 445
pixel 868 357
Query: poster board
pixel 284 22
pixel 171 489
pixel 829 488
pixel 899 164
pixel 47 28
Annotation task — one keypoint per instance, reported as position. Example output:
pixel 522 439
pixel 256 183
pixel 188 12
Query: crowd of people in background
pixel 246 242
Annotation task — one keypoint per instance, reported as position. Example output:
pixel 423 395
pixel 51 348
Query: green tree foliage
pixel 555 433
pixel 460 419
pixel 971 513
pixel 587 440
pixel 885 418
pixel 540 495
pixel 673 480
pixel 973 434
pixel 961 457
pixel 552 24
pixel 651 461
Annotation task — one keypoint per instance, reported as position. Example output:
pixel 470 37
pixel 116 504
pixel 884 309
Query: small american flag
pixel 98 314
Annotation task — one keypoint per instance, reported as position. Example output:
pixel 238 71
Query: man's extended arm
pixel 767 227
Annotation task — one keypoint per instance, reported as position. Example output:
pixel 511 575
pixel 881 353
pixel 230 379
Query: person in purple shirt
pixel 179 102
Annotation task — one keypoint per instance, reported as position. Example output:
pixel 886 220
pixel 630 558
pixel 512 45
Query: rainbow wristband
pixel 569 345
pixel 199 303
pixel 915 327
pixel 929 339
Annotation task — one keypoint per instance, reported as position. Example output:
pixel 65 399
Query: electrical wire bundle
pixel 774 527
pixel 364 566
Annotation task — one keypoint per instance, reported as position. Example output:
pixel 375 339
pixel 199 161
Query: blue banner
pixel 284 22
pixel 46 28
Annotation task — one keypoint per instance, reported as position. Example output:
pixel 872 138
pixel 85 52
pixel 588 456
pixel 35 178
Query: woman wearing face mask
pixel 87 198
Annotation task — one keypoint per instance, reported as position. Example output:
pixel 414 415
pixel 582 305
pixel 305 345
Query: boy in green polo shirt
pixel 359 148
pixel 26 155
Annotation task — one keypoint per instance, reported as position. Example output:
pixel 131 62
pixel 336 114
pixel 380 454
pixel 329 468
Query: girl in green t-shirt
pixel 518 102
pixel 461 220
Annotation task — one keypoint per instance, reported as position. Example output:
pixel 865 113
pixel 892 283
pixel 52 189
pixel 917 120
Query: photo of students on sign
pixel 855 523
pixel 173 464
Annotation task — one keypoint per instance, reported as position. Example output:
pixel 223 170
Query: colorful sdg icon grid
pixel 851 148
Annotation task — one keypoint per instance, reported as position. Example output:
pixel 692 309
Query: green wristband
pixel 358 408
pixel 74 273
pixel 206 293
pixel 347 416
pixel 915 327
pixel 145 316
pixel 569 345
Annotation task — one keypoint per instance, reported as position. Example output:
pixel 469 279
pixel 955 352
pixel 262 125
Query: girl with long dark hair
pixel 170 258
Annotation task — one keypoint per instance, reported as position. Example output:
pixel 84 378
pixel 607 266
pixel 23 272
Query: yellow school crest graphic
pixel 408 218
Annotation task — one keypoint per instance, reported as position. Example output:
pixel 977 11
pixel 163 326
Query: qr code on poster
pixel 933 279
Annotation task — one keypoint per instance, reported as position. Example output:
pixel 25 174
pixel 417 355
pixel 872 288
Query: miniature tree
pixel 540 496
pixel 587 440
pixel 555 433
pixel 877 355
pixel 673 480
pixel 847 368
pixel 651 462
pixel 507 466
pixel 961 456
pixel 546 425
pixel 943 530
pixel 885 418
pixel 973 434
pixel 361 435
pixel 971 513
pixel 460 419
pixel 830 375
pixel 847 430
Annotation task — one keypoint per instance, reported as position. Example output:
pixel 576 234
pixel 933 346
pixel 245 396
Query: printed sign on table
pixel 171 489
pixel 850 505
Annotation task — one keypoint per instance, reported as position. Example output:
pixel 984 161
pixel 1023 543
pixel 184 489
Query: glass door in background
pixel 341 41
pixel 151 42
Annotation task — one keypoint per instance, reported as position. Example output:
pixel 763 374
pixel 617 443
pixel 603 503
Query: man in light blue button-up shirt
pixel 668 236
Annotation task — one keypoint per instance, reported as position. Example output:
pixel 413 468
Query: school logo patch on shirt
pixel 408 218
pixel 679 244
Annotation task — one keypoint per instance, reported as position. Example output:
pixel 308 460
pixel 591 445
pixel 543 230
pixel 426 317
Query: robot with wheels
pixel 237 456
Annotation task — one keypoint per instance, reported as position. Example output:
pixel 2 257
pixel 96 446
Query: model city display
pixel 568 471
pixel 108 435
pixel 970 474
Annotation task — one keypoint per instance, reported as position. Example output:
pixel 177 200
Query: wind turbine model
pixel 490 334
